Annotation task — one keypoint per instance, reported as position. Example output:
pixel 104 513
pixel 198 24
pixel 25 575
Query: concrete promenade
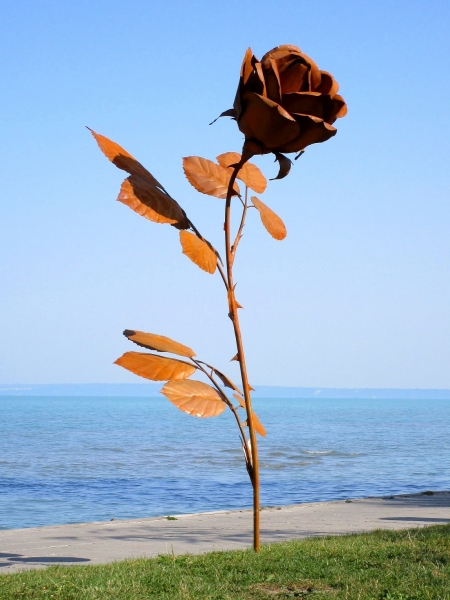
pixel 94 543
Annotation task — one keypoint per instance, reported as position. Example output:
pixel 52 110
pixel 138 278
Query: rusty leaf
pixel 156 368
pixel 149 201
pixel 259 427
pixel 194 398
pixel 142 192
pixel 270 220
pixel 160 343
pixel 240 399
pixel 226 381
pixel 198 251
pixel 121 158
pixel 207 177
pixel 249 173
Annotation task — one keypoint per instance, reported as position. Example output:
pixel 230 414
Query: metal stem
pixel 233 314
pixel 227 401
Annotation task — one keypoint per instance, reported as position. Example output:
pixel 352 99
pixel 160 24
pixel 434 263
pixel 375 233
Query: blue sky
pixel 358 295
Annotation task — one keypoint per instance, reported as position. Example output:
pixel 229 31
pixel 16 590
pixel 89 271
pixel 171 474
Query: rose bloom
pixel 284 102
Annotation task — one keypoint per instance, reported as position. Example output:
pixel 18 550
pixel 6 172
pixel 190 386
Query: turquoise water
pixel 69 460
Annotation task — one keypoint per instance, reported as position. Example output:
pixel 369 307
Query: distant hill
pixel 151 390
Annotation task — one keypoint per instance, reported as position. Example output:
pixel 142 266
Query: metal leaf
pixel 142 192
pixel 194 398
pixel 160 343
pixel 249 173
pixel 271 221
pixel 259 427
pixel 121 158
pixel 207 177
pixel 240 399
pixel 149 201
pixel 198 251
pixel 156 368
pixel 226 381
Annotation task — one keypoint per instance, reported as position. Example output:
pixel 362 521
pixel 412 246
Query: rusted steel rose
pixel 284 102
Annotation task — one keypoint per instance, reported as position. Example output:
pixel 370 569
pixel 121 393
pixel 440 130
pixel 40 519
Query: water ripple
pixel 67 460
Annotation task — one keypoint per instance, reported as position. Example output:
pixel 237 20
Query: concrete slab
pixel 94 543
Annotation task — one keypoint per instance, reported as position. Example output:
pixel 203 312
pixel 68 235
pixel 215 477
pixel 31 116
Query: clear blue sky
pixel 358 295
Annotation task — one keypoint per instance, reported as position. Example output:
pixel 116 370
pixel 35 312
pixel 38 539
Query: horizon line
pixel 155 383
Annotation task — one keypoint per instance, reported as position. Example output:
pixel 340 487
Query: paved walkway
pixel 93 543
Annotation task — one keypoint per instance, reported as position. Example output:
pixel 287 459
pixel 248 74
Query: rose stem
pixel 233 314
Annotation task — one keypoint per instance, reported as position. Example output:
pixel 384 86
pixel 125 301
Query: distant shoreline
pixel 151 390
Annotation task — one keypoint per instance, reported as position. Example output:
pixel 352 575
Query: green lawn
pixel 406 565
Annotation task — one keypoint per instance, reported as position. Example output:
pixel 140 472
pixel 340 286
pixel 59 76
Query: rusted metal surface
pixel 283 104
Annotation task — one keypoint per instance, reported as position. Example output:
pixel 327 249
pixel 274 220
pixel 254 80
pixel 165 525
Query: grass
pixel 404 565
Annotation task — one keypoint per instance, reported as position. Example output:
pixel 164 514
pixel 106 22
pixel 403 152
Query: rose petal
pixel 328 85
pixel 247 66
pixel 284 55
pixel 283 58
pixel 240 89
pixel 308 103
pixel 313 131
pixel 315 76
pixel 294 77
pixel 267 122
pixel 247 80
pixel 259 83
pixel 289 48
pixel 338 110
pixel 280 52
pixel 273 87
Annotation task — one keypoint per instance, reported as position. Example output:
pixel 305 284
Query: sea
pixel 72 459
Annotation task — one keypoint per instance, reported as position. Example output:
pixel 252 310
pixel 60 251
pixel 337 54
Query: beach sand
pixel 94 543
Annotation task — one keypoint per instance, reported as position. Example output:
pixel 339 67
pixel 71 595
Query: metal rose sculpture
pixel 283 104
